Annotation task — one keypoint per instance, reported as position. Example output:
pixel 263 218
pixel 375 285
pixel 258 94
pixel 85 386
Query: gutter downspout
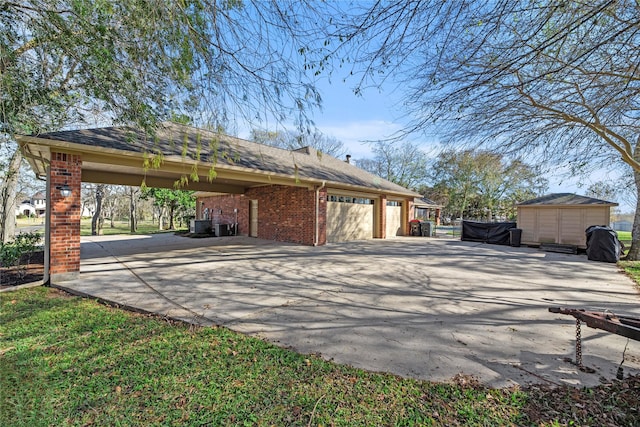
pixel 317 224
pixel 47 232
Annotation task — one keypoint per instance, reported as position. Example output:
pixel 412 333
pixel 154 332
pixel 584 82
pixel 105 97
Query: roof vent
pixel 348 160
pixel 304 150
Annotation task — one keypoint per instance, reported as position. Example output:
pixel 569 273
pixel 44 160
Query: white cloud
pixel 356 135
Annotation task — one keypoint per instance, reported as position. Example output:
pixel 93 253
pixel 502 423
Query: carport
pixel 288 188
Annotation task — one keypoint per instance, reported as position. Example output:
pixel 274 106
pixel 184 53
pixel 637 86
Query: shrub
pixel 17 253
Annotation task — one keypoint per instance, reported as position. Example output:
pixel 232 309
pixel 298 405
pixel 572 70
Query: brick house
pixel 299 196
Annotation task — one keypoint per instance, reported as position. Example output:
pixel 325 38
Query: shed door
pixel 349 221
pixel 547 225
pixel 253 218
pixel 572 227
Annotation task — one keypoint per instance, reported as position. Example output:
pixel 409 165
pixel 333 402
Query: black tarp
pixel 603 244
pixel 496 233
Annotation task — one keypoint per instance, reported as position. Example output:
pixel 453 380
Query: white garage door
pixel 349 221
pixel 394 221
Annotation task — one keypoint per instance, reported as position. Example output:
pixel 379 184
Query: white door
pixel 253 218
pixel 394 221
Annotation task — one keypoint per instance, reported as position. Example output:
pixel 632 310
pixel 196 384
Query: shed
pixel 561 218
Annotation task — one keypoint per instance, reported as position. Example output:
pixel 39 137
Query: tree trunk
pixel 160 218
pixel 95 223
pixel 634 252
pixel 8 198
pixel 172 210
pixel 133 221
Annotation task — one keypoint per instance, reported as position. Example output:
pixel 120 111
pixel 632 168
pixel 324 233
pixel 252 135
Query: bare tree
pixel 134 195
pixel 292 140
pixel 8 197
pixel 96 220
pixel 603 190
pixel 62 63
pixel 405 163
pixel 556 81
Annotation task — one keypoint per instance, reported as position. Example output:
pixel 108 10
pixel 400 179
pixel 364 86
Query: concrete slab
pixel 417 307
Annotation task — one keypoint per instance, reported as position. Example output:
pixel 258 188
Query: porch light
pixel 65 190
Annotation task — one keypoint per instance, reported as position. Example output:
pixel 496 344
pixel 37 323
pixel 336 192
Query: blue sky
pixel 353 119
pixel 375 115
pixel 378 114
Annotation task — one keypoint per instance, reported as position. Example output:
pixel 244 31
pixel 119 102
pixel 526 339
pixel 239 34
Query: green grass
pixel 71 361
pixel 122 227
pixel 632 268
pixel 625 237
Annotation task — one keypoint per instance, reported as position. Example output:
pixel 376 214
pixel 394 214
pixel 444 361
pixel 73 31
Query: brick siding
pixel 285 214
pixel 221 210
pixel 64 244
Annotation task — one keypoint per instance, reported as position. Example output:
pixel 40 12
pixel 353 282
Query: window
pixel 349 199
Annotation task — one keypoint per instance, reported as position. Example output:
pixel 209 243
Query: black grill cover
pixel 603 244
pixel 496 233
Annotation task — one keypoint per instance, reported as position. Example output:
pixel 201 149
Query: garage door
pixel 394 220
pixel 347 220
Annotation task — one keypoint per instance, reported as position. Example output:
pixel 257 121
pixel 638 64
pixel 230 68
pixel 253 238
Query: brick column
pixel 409 214
pixel 64 217
pixel 322 216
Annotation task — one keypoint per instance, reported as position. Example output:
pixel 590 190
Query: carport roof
pixel 125 155
pixel 423 202
pixel 566 199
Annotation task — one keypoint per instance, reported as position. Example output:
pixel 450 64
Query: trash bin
pixel 515 236
pixel 414 227
pixel 426 227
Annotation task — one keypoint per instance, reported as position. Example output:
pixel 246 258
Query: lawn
pixel 625 237
pixel 122 227
pixel 71 361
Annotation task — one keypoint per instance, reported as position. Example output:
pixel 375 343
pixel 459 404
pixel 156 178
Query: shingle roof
pixel 224 151
pixel 425 202
pixel 565 199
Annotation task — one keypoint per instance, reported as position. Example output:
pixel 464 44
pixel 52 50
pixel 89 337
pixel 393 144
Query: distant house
pixel 39 201
pixel 427 209
pixel 26 208
pixel 35 206
pixel 622 225
pixel 561 218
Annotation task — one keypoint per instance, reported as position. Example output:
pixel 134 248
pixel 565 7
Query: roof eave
pixel 39 160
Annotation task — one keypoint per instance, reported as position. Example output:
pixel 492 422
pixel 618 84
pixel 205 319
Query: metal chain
pixel 579 345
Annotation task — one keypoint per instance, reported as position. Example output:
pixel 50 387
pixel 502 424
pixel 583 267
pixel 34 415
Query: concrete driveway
pixel 416 307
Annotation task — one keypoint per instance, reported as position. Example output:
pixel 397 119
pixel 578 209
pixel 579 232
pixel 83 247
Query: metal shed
pixel 561 218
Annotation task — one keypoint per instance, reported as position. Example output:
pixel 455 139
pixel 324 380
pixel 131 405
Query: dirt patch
pixel 614 403
pixel 31 269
